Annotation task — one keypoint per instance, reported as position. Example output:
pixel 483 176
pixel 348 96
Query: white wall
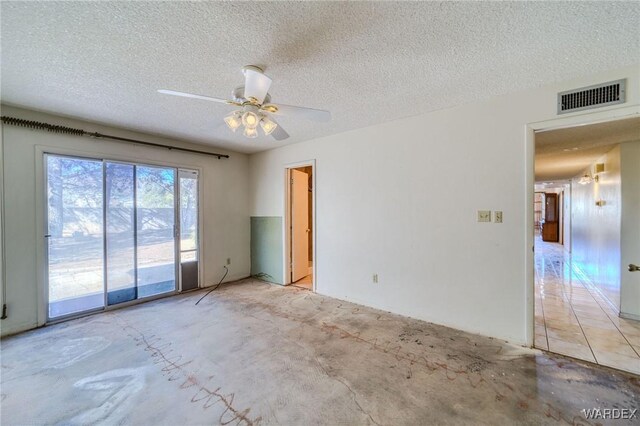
pixel 399 199
pixel 1 223
pixel 596 229
pixel 560 216
pixel 566 218
pixel 630 239
pixel 225 200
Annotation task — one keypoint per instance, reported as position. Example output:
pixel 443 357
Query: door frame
pixel 41 224
pixel 198 223
pixel 286 231
pixel 530 130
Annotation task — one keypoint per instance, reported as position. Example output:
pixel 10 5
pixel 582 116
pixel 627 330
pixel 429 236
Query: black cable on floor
pixel 223 277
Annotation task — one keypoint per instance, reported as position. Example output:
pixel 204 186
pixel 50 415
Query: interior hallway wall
pixel 596 229
pixel 400 200
pixel 225 203
pixel 566 218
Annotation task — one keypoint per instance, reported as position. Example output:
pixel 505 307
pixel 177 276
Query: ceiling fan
pixel 255 107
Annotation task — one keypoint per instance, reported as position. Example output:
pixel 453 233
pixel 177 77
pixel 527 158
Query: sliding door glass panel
pixel 189 278
pixel 121 244
pixel 155 225
pixel 188 216
pixel 75 235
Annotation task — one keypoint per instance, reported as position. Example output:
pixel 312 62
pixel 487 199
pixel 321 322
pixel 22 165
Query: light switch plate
pixel 484 215
pixel 498 216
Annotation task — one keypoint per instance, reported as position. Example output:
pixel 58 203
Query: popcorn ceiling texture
pixel 365 62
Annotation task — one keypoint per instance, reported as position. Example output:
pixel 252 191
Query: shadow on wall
pixel 267 248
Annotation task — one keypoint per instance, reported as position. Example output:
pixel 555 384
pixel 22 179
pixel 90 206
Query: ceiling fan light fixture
pixel 250 120
pixel 267 125
pixel 251 132
pixel 234 120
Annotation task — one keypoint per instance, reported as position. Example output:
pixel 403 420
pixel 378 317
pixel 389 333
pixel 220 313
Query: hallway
pixel 572 319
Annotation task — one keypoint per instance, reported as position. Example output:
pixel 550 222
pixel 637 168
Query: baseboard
pixel 629 316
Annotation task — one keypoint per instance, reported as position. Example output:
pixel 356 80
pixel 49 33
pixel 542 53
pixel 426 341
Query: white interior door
pixel 299 225
pixel 630 231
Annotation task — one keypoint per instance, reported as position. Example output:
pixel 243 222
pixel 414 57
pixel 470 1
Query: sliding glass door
pixel 75 235
pixel 121 232
pixel 156 229
pixel 112 233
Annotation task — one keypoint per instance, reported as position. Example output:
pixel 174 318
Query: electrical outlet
pixel 498 216
pixel 228 261
pixel 375 278
pixel 484 215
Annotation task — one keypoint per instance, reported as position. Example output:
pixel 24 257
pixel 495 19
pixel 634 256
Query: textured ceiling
pixel 366 62
pixel 564 153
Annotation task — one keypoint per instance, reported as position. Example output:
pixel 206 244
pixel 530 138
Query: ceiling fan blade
pixel 194 96
pixel 302 112
pixel 279 133
pixel 256 84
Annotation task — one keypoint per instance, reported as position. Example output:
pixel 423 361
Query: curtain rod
pixel 37 125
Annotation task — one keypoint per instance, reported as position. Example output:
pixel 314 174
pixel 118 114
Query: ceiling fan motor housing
pixel 238 95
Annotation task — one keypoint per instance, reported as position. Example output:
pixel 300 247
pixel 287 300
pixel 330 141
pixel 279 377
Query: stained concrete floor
pixel 255 353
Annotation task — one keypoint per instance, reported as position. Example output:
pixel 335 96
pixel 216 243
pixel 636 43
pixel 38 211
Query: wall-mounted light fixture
pixel 587 178
pixel 598 169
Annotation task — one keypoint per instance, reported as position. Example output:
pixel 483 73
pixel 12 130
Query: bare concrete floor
pixel 254 353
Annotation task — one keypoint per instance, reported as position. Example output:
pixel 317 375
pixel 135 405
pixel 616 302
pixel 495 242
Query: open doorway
pixel 552 218
pixel 299 239
pixel 587 236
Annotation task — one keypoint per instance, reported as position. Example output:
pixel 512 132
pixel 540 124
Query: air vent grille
pixel 597 96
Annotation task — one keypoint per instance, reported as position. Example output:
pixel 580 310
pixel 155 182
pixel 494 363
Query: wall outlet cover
pixel 498 216
pixel 484 215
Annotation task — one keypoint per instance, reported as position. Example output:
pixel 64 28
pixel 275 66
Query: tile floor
pixel 573 319
pixel 306 282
